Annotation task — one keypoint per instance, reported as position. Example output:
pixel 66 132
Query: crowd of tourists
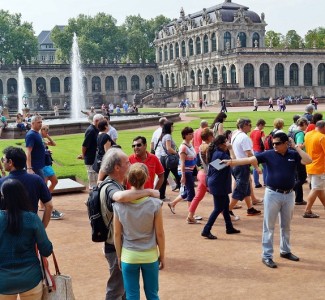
pixel 210 159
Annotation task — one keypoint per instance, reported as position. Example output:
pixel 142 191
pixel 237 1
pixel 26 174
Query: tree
pixel 98 37
pixel 292 40
pixel 273 36
pixel 17 40
pixel 315 37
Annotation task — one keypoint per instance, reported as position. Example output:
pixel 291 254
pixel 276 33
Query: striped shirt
pixel 190 160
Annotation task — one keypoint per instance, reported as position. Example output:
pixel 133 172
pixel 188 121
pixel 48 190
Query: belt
pixel 279 190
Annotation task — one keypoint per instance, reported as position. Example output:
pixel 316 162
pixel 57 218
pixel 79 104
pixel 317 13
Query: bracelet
pixel 29 168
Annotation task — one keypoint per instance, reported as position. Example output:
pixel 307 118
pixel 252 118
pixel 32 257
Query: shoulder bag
pixel 171 160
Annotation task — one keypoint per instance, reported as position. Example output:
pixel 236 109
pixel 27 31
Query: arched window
pixel 162 80
pixel 308 75
pixel 96 85
pixel 256 40
pixel 321 74
pixel 198 45
pixel 279 75
pixel 173 80
pixel 233 74
pixel 109 83
pixel 192 77
pixel 205 44
pixel 1 88
pixel 227 40
pixel 55 85
pixel 206 76
pixel 135 83
pixel 248 75
pixel 165 53
pixel 294 75
pixel 28 85
pixel 215 75
pixel 183 49
pixel 40 84
pixel 191 47
pixel 67 84
pixel 12 86
pixel 160 54
pixel 122 84
pixel 242 39
pixel 213 42
pixel 224 74
pixel 177 50
pixel 171 52
pixel 264 75
pixel 167 81
pixel 199 76
pixel 149 81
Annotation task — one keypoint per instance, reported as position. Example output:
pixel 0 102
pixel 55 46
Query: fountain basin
pixel 68 126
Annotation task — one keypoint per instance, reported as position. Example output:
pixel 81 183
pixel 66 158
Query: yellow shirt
pixel 315 148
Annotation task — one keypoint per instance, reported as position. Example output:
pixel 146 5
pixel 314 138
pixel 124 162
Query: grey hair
pixel 320 124
pixel 111 158
pixel 242 122
pixel 98 117
pixel 309 108
pixel 35 118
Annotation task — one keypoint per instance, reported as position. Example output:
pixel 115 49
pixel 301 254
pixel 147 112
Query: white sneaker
pixel 233 216
pixel 198 217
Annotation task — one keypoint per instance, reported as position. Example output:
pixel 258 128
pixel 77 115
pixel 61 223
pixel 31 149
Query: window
pixel 171 52
pixel 227 40
pixel 191 47
pixel 264 75
pixel 242 39
pixel 165 53
pixel 308 75
pixel 279 75
pixel 149 81
pixel 321 74
pixel 177 50
pixel 256 40
pixel 224 74
pixel 205 44
pixel 28 85
pixel 199 76
pixel 162 81
pixel 233 74
pixel 135 83
pixel 40 84
pixel 198 45
pixel 122 84
pixel 215 75
pixel 213 42
pixel 294 75
pixel 173 80
pixel 192 77
pixel 206 76
pixel 160 54
pixel 55 85
pixel 1 87
pixel 109 83
pixel 248 75
pixel 67 84
pixel 96 85
pixel 183 49
pixel 167 81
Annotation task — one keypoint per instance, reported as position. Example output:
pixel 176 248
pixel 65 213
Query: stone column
pixel 241 76
pixel 272 75
pixel 202 44
pixel 257 81
pixel 315 73
pixel 286 74
pixel 301 74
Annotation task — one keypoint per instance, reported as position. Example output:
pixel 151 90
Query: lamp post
pixel 25 103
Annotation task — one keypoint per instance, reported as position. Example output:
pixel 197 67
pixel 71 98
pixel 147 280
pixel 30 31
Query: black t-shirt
pixel 90 142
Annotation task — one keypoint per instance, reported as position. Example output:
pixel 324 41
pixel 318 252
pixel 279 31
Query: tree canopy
pixel 17 39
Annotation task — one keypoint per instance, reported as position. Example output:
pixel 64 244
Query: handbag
pixel 171 160
pixel 63 286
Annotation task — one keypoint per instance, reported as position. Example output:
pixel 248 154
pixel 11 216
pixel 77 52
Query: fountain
pixel 77 93
pixel 21 90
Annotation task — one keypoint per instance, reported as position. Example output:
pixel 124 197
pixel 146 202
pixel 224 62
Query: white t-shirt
pixel 112 132
pixel 241 143
pixel 155 137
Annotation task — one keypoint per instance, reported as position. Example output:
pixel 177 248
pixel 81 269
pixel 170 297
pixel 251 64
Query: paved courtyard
pixel 227 268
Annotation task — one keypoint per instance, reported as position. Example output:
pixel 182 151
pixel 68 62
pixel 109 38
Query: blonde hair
pixel 138 175
pixel 278 123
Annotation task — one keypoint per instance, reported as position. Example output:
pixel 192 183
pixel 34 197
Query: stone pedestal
pixel 5 112
pixel 25 111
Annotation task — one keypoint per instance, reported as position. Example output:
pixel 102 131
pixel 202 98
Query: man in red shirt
pixel 155 167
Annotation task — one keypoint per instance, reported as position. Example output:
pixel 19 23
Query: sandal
pixel 237 206
pixel 172 208
pixel 192 221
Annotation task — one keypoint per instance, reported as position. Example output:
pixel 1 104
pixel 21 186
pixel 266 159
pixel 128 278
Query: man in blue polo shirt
pixel 14 161
pixel 279 198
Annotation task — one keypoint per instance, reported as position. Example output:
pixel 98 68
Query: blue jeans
pixel 277 204
pixel 242 188
pixel 131 277
pixel 221 204
pixel 256 175
pixel 189 191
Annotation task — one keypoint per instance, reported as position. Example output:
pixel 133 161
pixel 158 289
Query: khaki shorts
pixel 317 182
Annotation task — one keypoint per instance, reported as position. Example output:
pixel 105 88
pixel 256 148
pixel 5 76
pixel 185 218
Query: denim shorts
pixel 242 189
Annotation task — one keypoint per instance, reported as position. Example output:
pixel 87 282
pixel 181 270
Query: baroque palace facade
pixel 221 51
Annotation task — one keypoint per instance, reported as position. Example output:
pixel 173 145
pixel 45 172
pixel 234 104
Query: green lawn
pixel 69 146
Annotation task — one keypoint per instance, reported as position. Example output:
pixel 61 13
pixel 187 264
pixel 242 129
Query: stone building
pixel 49 84
pixel 221 51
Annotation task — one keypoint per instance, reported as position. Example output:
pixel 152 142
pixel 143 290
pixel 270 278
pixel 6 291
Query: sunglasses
pixel 277 143
pixel 137 145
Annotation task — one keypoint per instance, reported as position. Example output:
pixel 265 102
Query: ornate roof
pixel 224 12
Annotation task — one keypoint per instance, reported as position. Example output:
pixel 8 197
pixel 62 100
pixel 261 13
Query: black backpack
pixel 99 230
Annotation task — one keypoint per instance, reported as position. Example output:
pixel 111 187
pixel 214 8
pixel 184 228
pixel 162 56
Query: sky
pixel 280 15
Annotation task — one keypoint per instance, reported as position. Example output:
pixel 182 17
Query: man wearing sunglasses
pixel 155 167
pixel 279 198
